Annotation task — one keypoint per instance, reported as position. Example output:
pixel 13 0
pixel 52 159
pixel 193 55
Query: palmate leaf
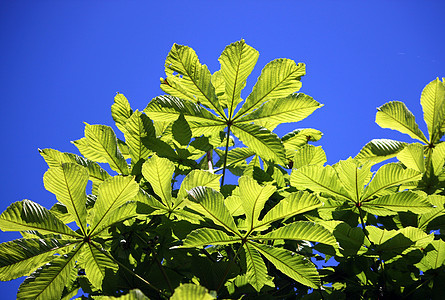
pixel 158 172
pixel 21 257
pixel 256 268
pixel 378 150
pixel 207 236
pixel 265 143
pixel 48 281
pixel 433 104
pixel 278 79
pixel 196 78
pixel 95 264
pixel 137 129
pixel 113 193
pixel 395 115
pixel 293 265
pixel 299 231
pixel 68 183
pixel 292 108
pixel 121 111
pixel 28 215
pixel 237 62
pixel 389 175
pixel 253 198
pixel 399 202
pixel 210 203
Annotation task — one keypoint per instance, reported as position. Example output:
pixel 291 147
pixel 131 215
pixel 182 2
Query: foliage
pixel 159 222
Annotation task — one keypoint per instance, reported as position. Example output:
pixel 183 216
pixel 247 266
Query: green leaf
pixel 266 144
pixel 433 259
pixel 102 140
pixel 387 176
pixel 207 236
pixel 134 294
pixel 124 212
pixel 48 281
pixel 113 193
pixel 169 108
pixel 412 157
pixel 319 179
pixel 253 198
pixel 353 176
pixel 198 178
pixel 238 156
pixel 95 264
pixel 352 240
pixel 293 265
pixel 210 203
pixel 278 79
pixel 292 108
pixel 137 129
pixel 398 202
pixel 295 139
pixel 237 62
pixel 438 158
pixel 256 268
pixel 433 104
pixel 56 158
pixel 196 78
pixel 378 150
pixel 220 86
pixel 21 257
pixel 301 231
pixel 235 205
pixel 28 215
pixel 89 152
pixel 395 115
pixel 295 203
pixel 159 171
pixel 121 111
pixel 189 291
pixel 438 210
pixel 181 131
pixel 308 155
pixel 68 183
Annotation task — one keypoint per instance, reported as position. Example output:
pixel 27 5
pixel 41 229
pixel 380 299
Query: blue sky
pixel 63 61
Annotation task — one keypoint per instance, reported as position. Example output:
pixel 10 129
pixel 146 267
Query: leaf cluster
pixel 154 216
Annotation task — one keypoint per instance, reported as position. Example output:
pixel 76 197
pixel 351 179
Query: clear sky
pixel 61 63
